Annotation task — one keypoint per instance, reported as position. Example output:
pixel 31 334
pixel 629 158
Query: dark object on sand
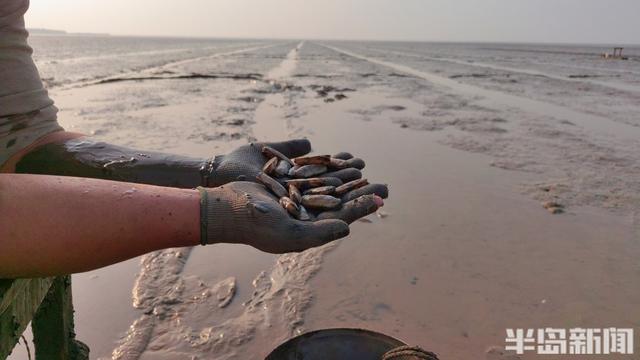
pixel 347 344
pixel 553 207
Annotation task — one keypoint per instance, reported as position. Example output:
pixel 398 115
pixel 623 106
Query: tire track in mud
pixel 622 87
pixel 137 53
pixel 573 165
pixel 505 102
pixel 182 316
pixel 272 109
pixel 152 69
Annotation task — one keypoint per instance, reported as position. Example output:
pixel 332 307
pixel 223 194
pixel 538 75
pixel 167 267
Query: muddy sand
pixel 462 249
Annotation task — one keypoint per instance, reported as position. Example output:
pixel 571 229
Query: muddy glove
pixel 245 162
pixel 246 213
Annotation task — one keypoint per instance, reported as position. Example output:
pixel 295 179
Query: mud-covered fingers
pixel 371 189
pixel 343 156
pixel 291 148
pixel 317 233
pixel 354 209
pixel 345 175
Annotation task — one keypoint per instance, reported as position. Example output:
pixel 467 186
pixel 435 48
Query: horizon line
pixel 54 32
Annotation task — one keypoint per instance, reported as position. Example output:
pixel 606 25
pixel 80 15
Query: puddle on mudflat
pixel 464 256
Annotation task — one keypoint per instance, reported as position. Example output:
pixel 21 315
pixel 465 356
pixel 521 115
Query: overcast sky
pixel 568 21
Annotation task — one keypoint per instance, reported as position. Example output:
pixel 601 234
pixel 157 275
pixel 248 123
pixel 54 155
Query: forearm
pixel 85 157
pixel 58 225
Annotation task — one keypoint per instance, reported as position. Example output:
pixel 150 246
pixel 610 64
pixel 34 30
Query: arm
pixel 31 141
pixel 60 225
pixel 70 154
pixel 54 225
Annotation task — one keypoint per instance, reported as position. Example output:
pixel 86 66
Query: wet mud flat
pixel 462 250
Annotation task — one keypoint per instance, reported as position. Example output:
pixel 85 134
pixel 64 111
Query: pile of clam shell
pixel 297 184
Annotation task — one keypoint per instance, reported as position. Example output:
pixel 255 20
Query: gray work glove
pixel 245 162
pixel 247 213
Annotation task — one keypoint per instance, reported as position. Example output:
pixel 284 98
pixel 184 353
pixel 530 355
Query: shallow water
pixel 462 250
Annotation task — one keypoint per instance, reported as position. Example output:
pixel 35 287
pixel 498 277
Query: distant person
pixel 67 220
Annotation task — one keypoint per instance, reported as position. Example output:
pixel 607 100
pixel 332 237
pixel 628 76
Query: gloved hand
pixel 247 213
pixel 244 163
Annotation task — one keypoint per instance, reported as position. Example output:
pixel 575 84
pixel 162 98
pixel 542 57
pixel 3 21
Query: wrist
pixel 216 216
pixel 211 174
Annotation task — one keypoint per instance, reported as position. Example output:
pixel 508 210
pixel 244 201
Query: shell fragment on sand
pixel 270 152
pixel 320 201
pixel 553 207
pixel 272 184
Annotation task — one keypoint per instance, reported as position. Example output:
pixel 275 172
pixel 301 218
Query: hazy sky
pixel 588 21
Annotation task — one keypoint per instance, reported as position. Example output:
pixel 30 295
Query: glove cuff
pixel 217 216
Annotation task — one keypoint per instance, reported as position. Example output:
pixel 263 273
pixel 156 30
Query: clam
pixel 320 201
pixel 270 166
pixel 314 182
pixel 283 168
pixel 338 163
pixel 308 171
pixel 352 185
pixel 272 184
pixel 294 194
pixel 270 152
pixel 313 160
pixel 304 215
pixel 293 169
pixel 323 190
pixel 290 206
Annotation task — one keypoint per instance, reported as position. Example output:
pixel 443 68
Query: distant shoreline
pixel 38 31
pixel 45 32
